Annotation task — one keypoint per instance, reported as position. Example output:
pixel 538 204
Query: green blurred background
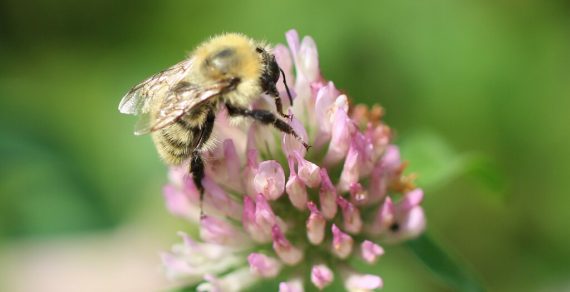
pixel 477 91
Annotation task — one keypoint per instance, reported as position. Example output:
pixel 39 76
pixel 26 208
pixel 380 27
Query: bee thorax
pixel 245 93
pixel 221 62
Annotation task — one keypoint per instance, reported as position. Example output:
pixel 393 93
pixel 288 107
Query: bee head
pixel 270 74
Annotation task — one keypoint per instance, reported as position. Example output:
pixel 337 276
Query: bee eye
pixel 259 50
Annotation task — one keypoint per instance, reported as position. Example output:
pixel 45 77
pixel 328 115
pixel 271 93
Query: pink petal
pixel 365 149
pixel 174 266
pixel 223 164
pixel 325 114
pixel 217 200
pixel 236 280
pixel 351 215
pixel 350 172
pixel 358 194
pixel 325 107
pixel 315 225
pixel 258 218
pixel 342 243
pixel 411 199
pixel 291 286
pixel 412 224
pixel 308 172
pixel 189 189
pixel 340 139
pixel 321 276
pixel 291 144
pixel 391 159
pixel 303 109
pixel 297 192
pixel 214 230
pixel 287 253
pixel 264 216
pixel 248 218
pixel 233 164
pixel 178 174
pixel 295 187
pixel 177 203
pixel 362 283
pixel 293 41
pixel 380 136
pixel 308 59
pixel 263 265
pixel 384 217
pixel 378 187
pixel 269 180
pixel 327 196
pixel 250 171
pixel 283 58
pixel 370 251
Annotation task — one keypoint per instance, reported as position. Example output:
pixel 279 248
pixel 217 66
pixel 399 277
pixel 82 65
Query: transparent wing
pixel 138 100
pixel 178 102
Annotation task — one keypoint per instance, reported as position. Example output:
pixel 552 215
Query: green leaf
pixel 443 265
pixel 487 173
pixel 436 163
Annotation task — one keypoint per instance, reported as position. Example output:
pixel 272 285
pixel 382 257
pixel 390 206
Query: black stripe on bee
pixel 167 145
pixel 175 142
pixel 181 156
pixel 183 124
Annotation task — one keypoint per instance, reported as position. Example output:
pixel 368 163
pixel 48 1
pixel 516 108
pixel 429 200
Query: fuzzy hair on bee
pixel 178 105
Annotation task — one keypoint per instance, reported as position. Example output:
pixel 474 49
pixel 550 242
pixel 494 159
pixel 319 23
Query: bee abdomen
pixel 174 144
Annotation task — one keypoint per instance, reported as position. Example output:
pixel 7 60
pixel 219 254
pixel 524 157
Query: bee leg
pixel 196 161
pixel 197 170
pixel 267 118
pixel 279 106
pixel 278 102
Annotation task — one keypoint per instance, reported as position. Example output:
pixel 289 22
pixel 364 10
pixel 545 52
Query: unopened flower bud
pixel 284 249
pixel 321 276
pixel 315 225
pixel 342 243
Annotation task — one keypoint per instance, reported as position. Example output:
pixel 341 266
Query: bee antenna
pixel 286 87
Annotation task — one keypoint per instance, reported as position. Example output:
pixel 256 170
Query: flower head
pixel 273 207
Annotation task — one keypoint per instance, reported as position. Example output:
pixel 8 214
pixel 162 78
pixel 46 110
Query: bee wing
pixel 137 101
pixel 179 101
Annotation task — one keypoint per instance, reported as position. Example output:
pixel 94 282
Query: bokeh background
pixel 477 91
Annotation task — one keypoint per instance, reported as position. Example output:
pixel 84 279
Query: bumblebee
pixel 178 105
